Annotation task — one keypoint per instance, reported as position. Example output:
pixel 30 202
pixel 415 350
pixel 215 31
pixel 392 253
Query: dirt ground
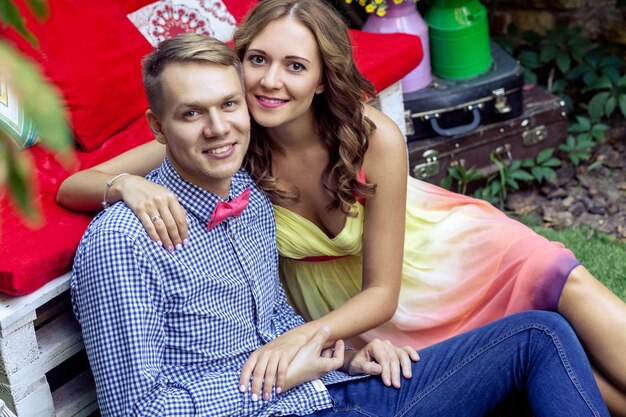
pixel 592 194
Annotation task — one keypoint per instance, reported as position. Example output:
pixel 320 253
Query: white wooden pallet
pixel 38 332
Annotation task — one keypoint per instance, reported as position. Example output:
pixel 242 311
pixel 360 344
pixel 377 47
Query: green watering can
pixel 459 38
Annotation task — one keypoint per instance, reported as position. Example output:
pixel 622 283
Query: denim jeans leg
pixel 536 353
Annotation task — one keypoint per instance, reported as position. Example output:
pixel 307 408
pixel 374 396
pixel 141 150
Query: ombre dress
pixel 465 264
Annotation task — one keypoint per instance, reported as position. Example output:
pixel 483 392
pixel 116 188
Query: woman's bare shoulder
pixel 387 134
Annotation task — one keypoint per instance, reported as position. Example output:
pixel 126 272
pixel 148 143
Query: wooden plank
pixel 12 309
pixel 77 397
pixel 58 340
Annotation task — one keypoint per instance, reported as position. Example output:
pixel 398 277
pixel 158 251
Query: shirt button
pixel 232 236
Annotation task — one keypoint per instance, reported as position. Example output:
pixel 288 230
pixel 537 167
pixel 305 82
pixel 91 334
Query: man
pixel 167 332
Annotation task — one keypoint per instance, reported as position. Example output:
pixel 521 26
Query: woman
pixel 336 171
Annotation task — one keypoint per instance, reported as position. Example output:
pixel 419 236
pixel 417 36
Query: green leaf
pixel 563 61
pixel 530 76
pixel 522 175
pixel 548 53
pixel 446 182
pixel 529 59
pixel 515 165
pixel 610 105
pixel 544 155
pixel 601 83
pixel 622 81
pixel 39 8
pixel 596 105
pixel 552 162
pixel 10 15
pixel 578 71
pixel 41 102
pixel 597 131
pixel 513 183
pixel 17 176
pixel 622 105
pixel 528 162
pixel 584 122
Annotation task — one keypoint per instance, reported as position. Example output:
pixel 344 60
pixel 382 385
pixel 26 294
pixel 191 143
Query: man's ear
pixel 155 126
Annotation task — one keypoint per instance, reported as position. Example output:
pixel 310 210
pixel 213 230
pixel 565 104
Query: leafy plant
pixel 542 167
pixel 507 176
pixel 577 149
pixel 610 96
pixel 457 173
pixel 41 104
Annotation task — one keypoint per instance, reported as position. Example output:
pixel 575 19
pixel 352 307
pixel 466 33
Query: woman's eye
pixel 296 66
pixel 256 59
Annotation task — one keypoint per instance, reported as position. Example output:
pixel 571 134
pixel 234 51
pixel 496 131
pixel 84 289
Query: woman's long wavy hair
pixel 338 110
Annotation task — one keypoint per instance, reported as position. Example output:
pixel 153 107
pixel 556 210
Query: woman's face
pixel 282 72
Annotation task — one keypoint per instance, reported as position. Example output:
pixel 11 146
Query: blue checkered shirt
pixel 167 333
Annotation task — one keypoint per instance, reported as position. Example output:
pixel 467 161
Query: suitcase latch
pixel 501 104
pixel 533 136
pixel 428 169
pixel 408 121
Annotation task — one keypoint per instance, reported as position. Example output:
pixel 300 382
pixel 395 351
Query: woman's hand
pixel 157 208
pixel 268 365
pixel 384 359
pixel 313 361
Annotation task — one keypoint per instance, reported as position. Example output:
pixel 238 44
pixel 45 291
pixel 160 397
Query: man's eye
pixel 230 104
pixel 190 113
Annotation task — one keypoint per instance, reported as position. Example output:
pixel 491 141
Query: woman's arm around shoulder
pixel 84 191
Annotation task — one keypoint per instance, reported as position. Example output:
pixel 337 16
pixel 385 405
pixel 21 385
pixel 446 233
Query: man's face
pixel 204 123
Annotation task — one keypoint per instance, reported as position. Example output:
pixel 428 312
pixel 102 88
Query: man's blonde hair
pixel 186 47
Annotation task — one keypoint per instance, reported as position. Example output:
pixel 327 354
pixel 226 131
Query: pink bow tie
pixel 233 208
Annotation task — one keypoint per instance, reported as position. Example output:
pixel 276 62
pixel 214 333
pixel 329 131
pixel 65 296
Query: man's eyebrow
pixel 260 51
pixel 195 103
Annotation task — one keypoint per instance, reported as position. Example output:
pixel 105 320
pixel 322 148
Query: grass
pixel 602 254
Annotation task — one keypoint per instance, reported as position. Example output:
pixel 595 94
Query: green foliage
pixel 583 137
pixel 41 104
pixel 542 167
pixel 610 95
pixel 589 78
pixel 461 176
pixel 508 176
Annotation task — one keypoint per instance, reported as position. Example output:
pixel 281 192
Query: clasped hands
pixel 293 359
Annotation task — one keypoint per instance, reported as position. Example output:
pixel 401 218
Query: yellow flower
pixel 398 1
pixel 348 1
pixel 370 8
pixel 381 12
pixel 362 3
pixel 378 1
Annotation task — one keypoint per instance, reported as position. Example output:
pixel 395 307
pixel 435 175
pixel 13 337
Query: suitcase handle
pixel 458 130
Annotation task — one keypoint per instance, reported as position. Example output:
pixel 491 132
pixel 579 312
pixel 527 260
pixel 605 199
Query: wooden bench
pixel 42 373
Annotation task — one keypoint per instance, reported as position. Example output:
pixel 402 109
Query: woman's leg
pixel 599 318
pixel 536 353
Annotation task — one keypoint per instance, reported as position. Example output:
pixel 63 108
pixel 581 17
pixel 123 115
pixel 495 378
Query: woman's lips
pixel 270 102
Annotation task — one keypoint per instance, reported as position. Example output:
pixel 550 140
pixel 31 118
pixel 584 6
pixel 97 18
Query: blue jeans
pixel 535 353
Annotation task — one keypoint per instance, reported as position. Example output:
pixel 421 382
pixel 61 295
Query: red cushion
pixel 92 52
pixel 385 58
pixel 30 257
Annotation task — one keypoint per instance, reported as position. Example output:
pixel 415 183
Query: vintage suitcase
pixel 543 124
pixel 453 107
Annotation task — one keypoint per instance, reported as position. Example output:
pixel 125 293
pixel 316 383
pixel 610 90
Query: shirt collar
pixel 198 201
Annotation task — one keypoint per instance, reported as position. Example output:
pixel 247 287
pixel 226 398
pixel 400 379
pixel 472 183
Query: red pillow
pixel 93 53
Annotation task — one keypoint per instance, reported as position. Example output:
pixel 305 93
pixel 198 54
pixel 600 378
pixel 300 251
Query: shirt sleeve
pixel 116 298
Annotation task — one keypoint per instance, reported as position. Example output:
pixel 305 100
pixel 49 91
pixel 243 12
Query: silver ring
pixel 155 218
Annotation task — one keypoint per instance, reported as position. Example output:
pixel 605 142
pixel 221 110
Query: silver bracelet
pixel 109 183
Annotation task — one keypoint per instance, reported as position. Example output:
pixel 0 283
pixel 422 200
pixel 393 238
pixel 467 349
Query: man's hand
pixel 384 359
